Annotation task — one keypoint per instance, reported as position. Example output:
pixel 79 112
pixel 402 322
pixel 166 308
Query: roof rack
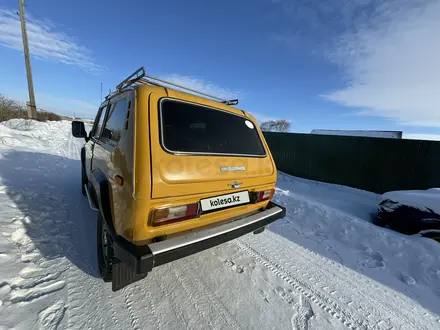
pixel 139 76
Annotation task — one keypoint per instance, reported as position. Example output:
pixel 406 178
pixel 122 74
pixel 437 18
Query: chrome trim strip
pixel 204 234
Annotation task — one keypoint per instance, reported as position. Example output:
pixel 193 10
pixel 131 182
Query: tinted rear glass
pixel 193 128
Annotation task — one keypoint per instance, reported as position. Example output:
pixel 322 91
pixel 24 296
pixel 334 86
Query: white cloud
pixel 431 137
pixel 202 86
pixel 313 24
pixel 45 42
pixel 391 62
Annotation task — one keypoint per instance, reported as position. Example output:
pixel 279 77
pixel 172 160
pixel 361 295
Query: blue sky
pixel 363 64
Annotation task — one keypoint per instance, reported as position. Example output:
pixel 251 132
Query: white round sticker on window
pixel 249 124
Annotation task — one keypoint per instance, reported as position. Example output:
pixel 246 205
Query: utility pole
pixel 101 92
pixel 31 106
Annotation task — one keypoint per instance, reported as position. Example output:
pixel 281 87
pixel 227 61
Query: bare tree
pixel 10 109
pixel 279 125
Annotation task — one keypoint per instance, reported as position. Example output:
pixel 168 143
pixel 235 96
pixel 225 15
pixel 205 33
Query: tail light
pixel 173 214
pixel 265 195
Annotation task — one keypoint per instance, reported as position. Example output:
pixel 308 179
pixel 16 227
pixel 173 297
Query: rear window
pixel 192 128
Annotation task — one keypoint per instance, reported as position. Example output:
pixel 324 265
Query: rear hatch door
pixel 209 148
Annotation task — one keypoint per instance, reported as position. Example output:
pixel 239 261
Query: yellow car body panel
pixel 164 180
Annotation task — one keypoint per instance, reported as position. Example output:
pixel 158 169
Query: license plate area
pixel 224 201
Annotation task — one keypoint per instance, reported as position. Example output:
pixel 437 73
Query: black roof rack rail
pixel 231 102
pixel 131 79
pixel 139 76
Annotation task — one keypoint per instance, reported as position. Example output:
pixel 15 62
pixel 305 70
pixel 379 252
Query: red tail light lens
pixel 174 214
pixel 265 195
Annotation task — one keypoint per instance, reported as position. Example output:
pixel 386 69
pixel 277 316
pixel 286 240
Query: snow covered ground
pixel 324 266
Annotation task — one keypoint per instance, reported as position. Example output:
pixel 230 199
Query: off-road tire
pixel 105 251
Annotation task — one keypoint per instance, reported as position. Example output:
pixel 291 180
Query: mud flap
pixel 123 275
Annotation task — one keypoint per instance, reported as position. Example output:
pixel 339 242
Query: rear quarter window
pixel 115 121
pixel 192 128
pixel 99 121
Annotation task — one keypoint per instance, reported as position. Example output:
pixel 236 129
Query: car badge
pixel 235 184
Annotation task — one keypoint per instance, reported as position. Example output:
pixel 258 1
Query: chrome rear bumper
pixel 201 239
pixel 144 258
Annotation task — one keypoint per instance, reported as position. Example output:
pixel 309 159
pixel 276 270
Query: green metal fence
pixel 373 164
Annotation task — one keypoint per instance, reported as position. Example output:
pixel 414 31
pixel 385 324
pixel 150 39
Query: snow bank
pixel 34 135
pixel 351 201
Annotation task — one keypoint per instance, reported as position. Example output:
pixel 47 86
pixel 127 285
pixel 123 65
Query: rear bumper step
pixel 142 259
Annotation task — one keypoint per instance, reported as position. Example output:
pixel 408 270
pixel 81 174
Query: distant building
pixel 366 133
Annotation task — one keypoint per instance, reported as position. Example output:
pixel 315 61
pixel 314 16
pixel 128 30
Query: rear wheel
pixel 105 250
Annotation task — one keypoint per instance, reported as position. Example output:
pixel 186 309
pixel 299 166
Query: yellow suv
pixel 171 173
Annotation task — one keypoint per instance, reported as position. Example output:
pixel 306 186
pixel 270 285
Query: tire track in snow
pixel 315 278
pixel 172 299
pixel 190 295
pixel 333 290
pixel 141 295
pixel 327 305
pixel 302 314
pixel 92 304
pixel 390 302
pixel 129 303
pixel 202 286
pixel 374 303
pixel 205 295
pixel 113 313
pixel 284 296
pixel 78 301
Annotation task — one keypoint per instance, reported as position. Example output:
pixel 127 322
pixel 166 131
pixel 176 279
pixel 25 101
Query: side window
pixel 115 121
pixel 98 121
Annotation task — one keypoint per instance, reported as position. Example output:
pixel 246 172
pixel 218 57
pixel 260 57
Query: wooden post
pixel 31 107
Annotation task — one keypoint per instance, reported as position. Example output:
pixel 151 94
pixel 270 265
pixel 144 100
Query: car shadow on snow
pixel 56 217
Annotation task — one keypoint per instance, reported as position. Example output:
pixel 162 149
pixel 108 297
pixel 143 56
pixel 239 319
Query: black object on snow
pixel 406 219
